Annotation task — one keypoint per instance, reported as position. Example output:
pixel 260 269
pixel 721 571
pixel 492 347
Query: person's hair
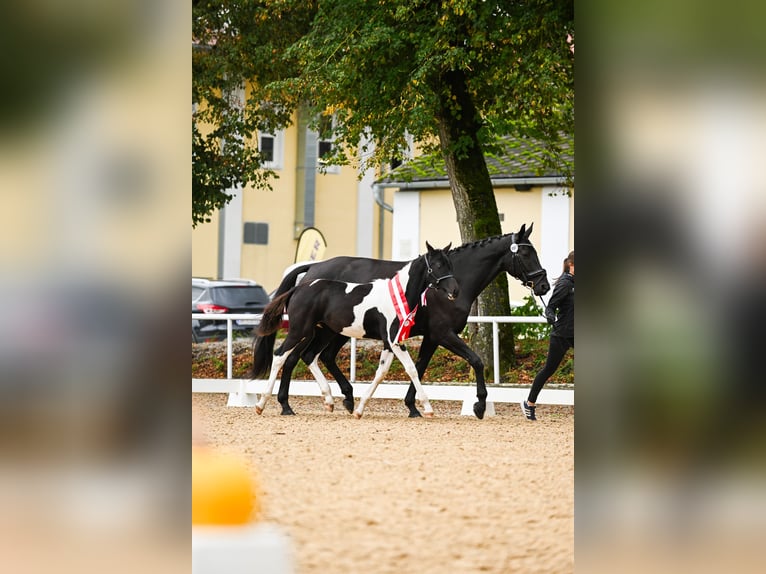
pixel 568 260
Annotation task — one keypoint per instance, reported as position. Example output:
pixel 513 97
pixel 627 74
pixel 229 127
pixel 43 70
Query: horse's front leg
pixel 386 358
pixel 453 343
pixel 409 366
pixel 427 349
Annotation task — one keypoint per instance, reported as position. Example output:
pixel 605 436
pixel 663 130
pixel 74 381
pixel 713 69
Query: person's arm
pixel 560 292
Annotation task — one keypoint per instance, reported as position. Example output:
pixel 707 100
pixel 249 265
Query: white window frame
pixel 279 148
pixel 321 164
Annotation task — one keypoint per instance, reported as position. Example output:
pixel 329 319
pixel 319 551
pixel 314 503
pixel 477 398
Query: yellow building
pixel 363 214
pixel 255 236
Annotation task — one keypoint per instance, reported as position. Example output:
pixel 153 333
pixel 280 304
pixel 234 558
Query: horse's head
pixel 439 269
pixel 523 264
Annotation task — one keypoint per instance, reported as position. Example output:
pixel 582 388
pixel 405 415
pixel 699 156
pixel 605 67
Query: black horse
pixel 474 264
pixel 382 309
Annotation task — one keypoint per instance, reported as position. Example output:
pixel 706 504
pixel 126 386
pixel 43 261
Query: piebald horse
pixel 381 309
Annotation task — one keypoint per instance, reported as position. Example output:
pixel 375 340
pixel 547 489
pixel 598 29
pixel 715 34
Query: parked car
pixel 215 297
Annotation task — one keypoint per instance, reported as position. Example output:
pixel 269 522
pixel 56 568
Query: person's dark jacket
pixel 560 309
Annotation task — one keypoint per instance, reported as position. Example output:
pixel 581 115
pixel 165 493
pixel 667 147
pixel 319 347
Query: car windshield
pixel 239 295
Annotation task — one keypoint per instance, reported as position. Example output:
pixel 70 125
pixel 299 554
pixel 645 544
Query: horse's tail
pixel 263 354
pixel 289 280
pixel 272 314
pixel 266 333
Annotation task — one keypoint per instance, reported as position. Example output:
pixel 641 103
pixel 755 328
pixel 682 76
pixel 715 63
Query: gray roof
pixel 517 161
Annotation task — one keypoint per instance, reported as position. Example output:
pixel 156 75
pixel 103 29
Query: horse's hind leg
pixel 324 386
pixel 409 366
pixel 323 338
pixel 279 360
pixel 283 395
pixel 386 358
pixel 327 356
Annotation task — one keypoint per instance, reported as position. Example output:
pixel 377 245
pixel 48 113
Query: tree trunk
pixel 475 204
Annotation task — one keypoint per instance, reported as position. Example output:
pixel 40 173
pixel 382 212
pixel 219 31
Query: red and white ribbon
pixel 406 317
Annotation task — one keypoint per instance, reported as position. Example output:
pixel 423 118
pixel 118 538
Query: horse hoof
pixel 329 407
pixel 479 410
pixel 415 414
pixel 429 415
pixel 258 410
pixel 357 415
pixel 349 404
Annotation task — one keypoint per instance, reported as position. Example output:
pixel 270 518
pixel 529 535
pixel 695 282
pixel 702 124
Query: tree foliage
pixel 239 44
pixel 379 66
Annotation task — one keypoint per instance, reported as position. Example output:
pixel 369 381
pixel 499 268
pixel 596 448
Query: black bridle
pixel 526 277
pixel 436 280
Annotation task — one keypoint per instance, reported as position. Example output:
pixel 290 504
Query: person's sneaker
pixel 528 410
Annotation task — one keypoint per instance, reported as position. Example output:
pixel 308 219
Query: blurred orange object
pixel 223 489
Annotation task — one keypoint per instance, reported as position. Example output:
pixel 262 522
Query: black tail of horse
pixel 263 353
pixel 263 347
pixel 288 281
pixel 272 314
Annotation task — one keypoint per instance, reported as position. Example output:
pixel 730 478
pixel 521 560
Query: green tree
pixel 451 74
pixel 239 43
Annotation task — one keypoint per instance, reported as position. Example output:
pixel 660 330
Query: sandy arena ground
pixel 388 494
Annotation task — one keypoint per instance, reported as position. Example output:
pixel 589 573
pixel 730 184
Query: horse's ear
pixel 428 246
pixel 529 231
pixel 523 230
pixel 449 246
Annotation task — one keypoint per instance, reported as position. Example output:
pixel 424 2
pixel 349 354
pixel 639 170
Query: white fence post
pixel 229 353
pixel 496 349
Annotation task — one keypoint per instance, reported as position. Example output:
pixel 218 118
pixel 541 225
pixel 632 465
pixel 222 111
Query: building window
pixel 256 233
pixel 325 144
pixel 271 147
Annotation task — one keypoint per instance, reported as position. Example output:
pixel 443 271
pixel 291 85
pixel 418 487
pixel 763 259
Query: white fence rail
pixel 242 392
pixel 229 317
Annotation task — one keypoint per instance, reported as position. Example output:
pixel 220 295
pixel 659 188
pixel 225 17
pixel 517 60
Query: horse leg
pixel 279 359
pixel 325 347
pixel 409 366
pixel 386 358
pixel 453 343
pixel 327 356
pixel 283 395
pixel 427 349
pixel 324 386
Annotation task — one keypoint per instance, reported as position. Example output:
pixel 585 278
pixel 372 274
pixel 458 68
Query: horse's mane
pixel 481 242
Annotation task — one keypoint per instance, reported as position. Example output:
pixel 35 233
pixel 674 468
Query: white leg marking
pixel 324 386
pixel 386 358
pixel 276 364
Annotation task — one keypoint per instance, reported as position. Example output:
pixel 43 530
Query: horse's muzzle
pixel 541 287
pixel 452 293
